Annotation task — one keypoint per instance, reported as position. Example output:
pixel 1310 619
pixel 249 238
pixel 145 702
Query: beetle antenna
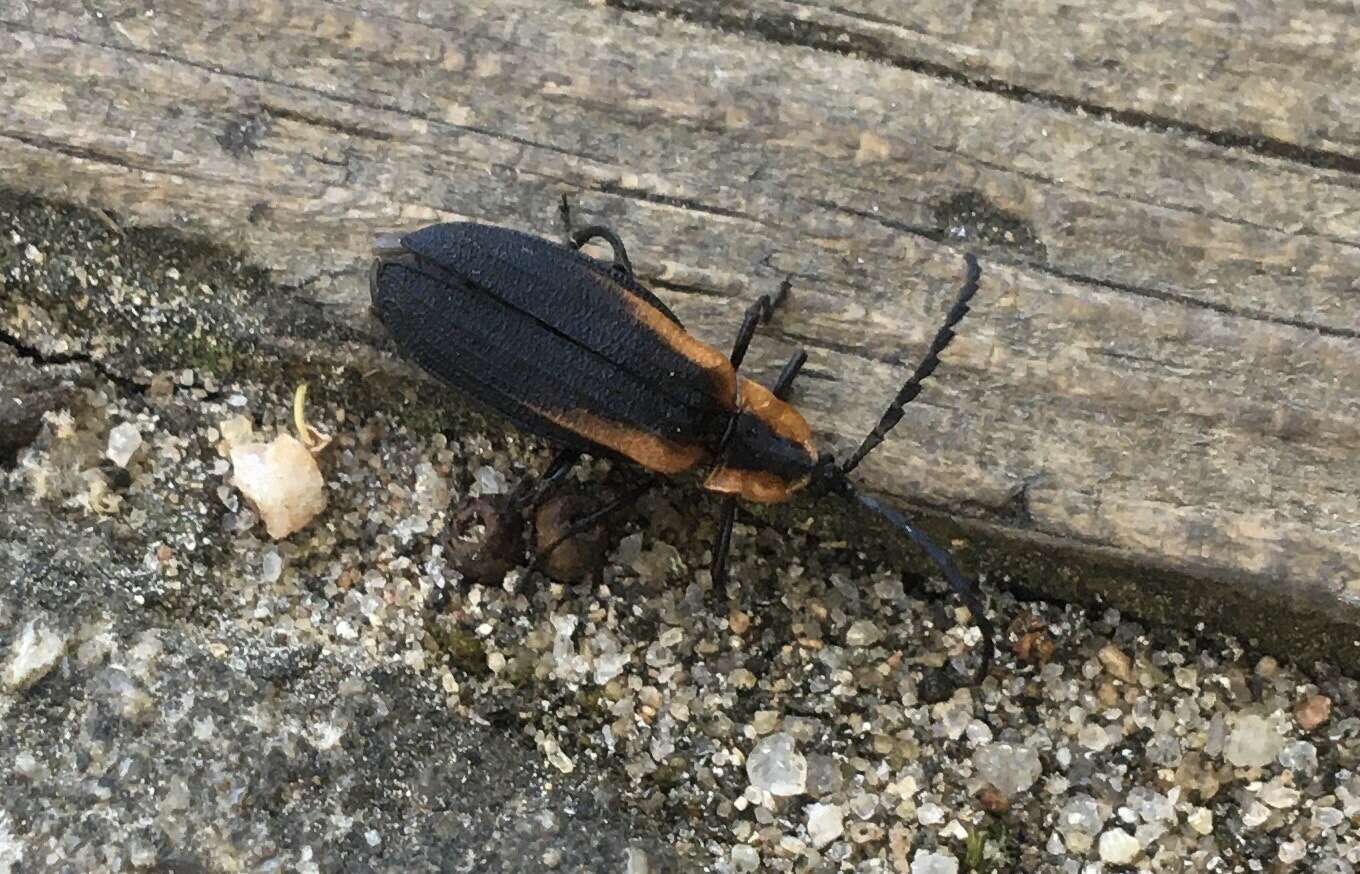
pixel 912 388
pixel 965 587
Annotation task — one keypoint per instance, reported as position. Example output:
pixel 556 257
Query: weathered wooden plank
pixel 1280 79
pixel 1164 363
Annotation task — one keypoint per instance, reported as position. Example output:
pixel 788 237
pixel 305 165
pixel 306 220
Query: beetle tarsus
pixel 600 232
pixel 564 213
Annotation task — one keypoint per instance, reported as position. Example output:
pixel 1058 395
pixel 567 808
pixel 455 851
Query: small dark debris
pixel 970 216
pixel 239 137
pixel 937 685
pixel 579 558
pixel 487 558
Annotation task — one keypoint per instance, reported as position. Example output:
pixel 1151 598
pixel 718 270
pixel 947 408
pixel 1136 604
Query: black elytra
pixel 579 352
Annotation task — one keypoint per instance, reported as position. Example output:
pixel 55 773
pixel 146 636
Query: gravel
pixel 180 690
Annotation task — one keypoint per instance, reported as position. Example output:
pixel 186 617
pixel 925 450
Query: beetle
pixel 578 351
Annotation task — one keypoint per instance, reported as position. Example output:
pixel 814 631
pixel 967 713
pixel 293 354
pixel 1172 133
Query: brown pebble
pixel 579 558
pixel 1107 694
pixel 348 577
pixel 162 387
pixel 1195 775
pixel 1035 647
pixel 1312 711
pixel 738 621
pixel 993 800
pixel 1117 664
pixel 900 839
pixel 488 558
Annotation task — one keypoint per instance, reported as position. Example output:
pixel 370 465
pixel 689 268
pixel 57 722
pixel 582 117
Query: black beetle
pixel 580 352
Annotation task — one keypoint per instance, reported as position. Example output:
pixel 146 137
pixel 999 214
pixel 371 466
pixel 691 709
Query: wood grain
pixel 1163 368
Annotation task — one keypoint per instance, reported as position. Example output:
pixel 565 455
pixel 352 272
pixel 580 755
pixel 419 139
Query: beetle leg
pixel 726 518
pixel 585 235
pixel 577 239
pixel 564 212
pixel 757 314
pixel 784 383
pixel 912 388
pixel 586 522
pixel 532 492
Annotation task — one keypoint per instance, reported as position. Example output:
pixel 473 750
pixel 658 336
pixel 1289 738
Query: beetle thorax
pixel 767 453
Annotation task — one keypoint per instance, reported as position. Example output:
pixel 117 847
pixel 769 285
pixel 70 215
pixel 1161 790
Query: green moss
pixel 519 670
pixel 462 648
pixel 996 838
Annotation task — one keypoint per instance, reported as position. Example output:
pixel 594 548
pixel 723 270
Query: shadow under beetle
pixel 578 351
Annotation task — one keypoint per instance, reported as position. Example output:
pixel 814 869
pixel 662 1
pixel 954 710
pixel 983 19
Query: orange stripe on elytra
pixel 649 450
pixel 704 356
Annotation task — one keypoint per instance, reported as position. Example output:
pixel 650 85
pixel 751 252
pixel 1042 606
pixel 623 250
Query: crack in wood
pixel 1086 279
pixel 85 153
pixel 342 99
pixel 353 130
pixel 791 30
pixel 1124 196
pixel 1186 300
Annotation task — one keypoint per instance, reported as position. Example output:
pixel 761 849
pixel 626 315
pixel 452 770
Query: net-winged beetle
pixel 578 351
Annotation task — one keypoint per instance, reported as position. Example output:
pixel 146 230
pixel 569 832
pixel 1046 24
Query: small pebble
pixel 776 766
pixel 1011 769
pixel 745 858
pixel 1312 711
pixel 489 481
pixel 863 633
pixel 1093 737
pixel 1300 756
pixel 1293 851
pixel 930 813
pixel 33 653
pixel 1253 742
pixel 124 441
pixel 282 480
pixel 925 862
pixel 1118 847
pixel 637 862
pixel 1116 663
pixel 1035 647
pixel 1255 814
pixel 825 823
pixel 1279 796
pixel 1080 820
pixel 993 800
